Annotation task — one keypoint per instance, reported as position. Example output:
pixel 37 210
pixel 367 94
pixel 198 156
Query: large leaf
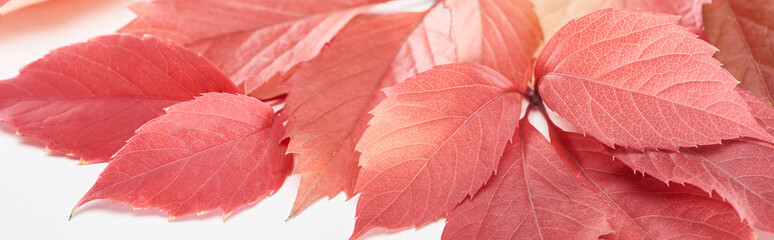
pixel 501 34
pixel 646 208
pixel 253 41
pixel 535 194
pixel 740 171
pixel 556 13
pixel 434 140
pixel 327 108
pixel 742 30
pixel 219 150
pixel 88 98
pixel 638 80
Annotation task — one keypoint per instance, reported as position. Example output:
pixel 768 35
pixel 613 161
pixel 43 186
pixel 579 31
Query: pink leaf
pixel 638 80
pixel 327 108
pixel 740 171
pixel 535 194
pixel 646 208
pixel 88 98
pixel 219 150
pixel 434 140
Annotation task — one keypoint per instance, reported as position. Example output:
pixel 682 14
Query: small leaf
pixel 638 80
pixel 434 140
pixel 88 98
pixel 219 150
pixel 327 108
pixel 535 194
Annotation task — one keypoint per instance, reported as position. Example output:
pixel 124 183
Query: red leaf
pixel 503 35
pixel 535 194
pixel 638 80
pixel 742 30
pixel 88 98
pixel 250 50
pixel 740 171
pixel 327 108
pixel 434 140
pixel 646 208
pixel 219 150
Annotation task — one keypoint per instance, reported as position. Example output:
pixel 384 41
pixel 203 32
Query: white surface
pixel 38 189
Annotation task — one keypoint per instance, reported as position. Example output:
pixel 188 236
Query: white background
pixel 38 189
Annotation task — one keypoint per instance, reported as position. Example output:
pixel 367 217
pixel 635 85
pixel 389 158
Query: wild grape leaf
pixel 646 208
pixel 219 150
pixel 743 30
pixel 740 171
pixel 554 14
pixel 638 80
pixel 327 108
pixel 535 194
pixel 252 41
pixel 88 98
pixel 434 140
pixel 503 35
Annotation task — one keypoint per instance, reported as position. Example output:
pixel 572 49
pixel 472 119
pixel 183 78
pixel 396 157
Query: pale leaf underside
pixel 217 151
pixel 637 80
pixel 431 143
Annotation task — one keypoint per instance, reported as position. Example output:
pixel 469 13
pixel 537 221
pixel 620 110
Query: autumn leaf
pixel 638 80
pixel 740 171
pixel 742 30
pixel 431 143
pixel 327 109
pixel 88 98
pixel 535 194
pixel 503 35
pixel 217 151
pixel 252 41
pixel 646 208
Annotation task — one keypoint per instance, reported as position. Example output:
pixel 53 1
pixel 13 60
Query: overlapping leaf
pixel 740 171
pixel 638 80
pixel 501 34
pixel 535 194
pixel 742 30
pixel 217 151
pixel 434 140
pixel 646 208
pixel 88 98
pixel 252 41
pixel 327 109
